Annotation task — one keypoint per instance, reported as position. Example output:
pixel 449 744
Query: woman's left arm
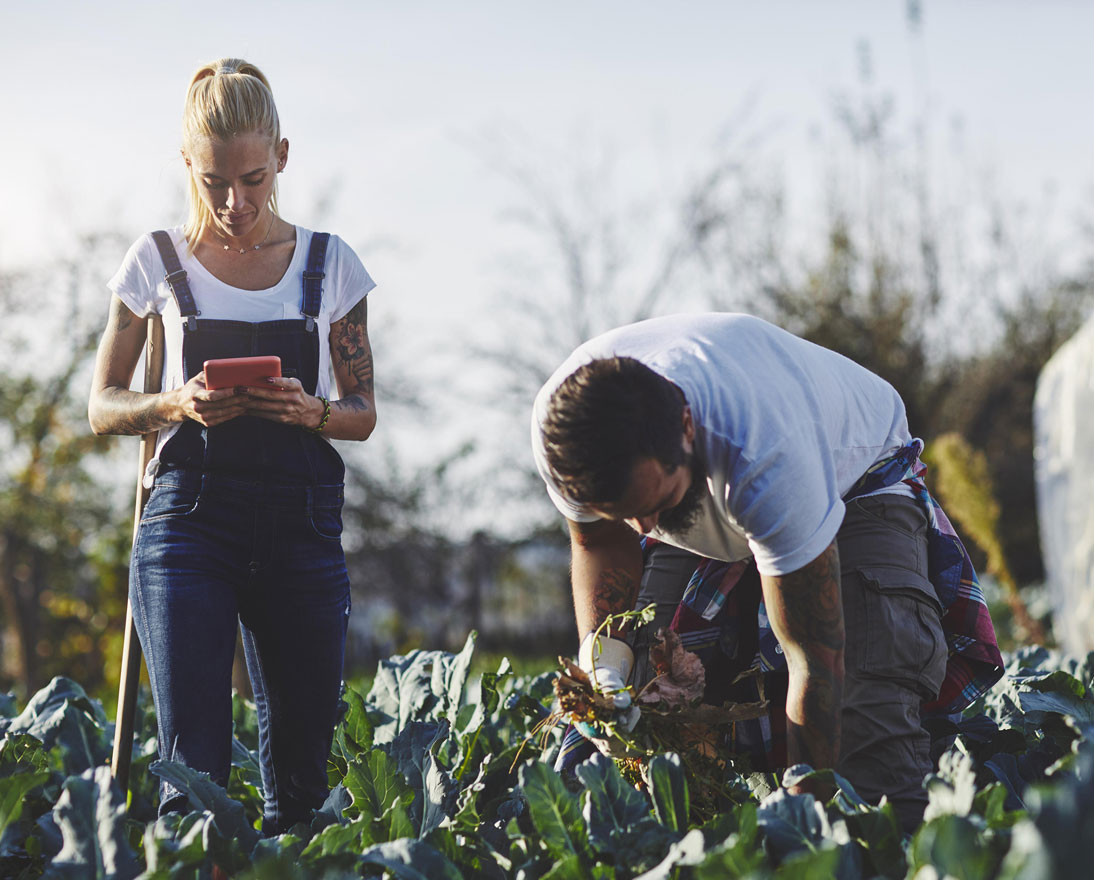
pixel 353 415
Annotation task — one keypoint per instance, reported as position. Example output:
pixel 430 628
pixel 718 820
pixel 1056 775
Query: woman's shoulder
pixel 336 245
pixel 145 249
pixel 348 281
pixel 142 269
pixel 341 261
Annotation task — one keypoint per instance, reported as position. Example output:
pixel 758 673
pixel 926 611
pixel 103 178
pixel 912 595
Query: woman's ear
pixel 282 154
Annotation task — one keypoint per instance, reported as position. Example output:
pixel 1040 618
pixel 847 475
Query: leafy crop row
pixel 437 777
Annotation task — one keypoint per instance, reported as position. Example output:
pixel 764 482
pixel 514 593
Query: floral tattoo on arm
pixel 351 346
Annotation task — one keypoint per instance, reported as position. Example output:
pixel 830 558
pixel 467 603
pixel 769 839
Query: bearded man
pixel 727 437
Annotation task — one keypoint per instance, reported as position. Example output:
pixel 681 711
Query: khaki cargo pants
pixel 895 654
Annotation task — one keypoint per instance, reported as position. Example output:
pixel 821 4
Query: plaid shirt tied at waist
pixel 975 663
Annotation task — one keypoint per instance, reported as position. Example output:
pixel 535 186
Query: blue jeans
pixel 213 553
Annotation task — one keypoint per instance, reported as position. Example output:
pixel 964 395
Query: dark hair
pixel 605 416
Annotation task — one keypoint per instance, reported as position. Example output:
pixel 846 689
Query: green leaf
pixel 174 842
pixel 14 788
pixel 356 728
pixel 1029 856
pixel 63 717
pixel 736 856
pixel 435 792
pixel 233 836
pixel 554 811
pixel 91 817
pixel 669 791
pixel 613 806
pixel 952 789
pixel 333 810
pixel 811 865
pixel 422 686
pixel 20 752
pixel 380 796
pixel 792 822
pixel 336 841
pixel 450 677
pixel 569 868
pixel 878 830
pixel 689 850
pixel 411 860
pixel 956 847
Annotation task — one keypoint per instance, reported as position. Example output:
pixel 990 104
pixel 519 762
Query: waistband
pixel 274 494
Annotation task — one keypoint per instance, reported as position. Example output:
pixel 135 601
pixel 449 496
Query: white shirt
pixel 783 427
pixel 140 284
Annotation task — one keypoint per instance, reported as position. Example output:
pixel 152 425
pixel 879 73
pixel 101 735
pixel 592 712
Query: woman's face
pixel 235 179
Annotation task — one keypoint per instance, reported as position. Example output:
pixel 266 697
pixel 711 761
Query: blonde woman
pixel 243 525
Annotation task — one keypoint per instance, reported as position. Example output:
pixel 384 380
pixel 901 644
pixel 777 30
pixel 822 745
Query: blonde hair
pixel 225 98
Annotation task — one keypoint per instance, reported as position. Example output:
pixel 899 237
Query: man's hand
pixel 608 663
pixel 806 614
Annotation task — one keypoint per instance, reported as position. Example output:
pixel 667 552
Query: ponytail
pixel 227 97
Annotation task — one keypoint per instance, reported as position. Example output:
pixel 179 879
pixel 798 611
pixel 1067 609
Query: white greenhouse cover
pixel 1063 422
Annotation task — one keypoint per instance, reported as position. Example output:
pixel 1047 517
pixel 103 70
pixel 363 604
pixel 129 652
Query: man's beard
pixel 679 519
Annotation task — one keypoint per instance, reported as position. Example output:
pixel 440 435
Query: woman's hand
pixel 284 401
pixel 194 401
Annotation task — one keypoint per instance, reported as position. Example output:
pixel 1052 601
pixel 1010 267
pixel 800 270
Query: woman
pixel 243 524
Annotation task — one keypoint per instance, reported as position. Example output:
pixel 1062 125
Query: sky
pixel 395 110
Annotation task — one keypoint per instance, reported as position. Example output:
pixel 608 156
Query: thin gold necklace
pixel 269 229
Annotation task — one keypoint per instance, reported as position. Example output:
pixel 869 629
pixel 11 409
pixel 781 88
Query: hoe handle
pixel 131 650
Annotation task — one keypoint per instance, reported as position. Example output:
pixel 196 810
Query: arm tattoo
pixel 352 403
pixel 615 591
pixel 352 346
pixel 123 318
pixel 128 412
pixel 806 613
pixel 140 423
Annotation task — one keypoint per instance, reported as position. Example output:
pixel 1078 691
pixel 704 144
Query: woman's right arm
pixel 114 409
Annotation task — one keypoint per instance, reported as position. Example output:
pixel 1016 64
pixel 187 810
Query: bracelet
pixel 318 429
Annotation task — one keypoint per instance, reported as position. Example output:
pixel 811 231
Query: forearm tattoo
pixel 806 613
pixel 129 412
pixel 615 591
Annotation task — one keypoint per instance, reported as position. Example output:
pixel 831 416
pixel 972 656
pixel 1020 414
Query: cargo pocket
pixel 894 628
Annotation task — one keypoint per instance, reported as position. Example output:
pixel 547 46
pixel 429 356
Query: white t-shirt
pixel 783 427
pixel 140 284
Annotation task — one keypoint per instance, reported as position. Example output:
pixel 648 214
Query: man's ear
pixel 689 426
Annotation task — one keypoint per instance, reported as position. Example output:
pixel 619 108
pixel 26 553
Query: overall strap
pixel 313 277
pixel 176 278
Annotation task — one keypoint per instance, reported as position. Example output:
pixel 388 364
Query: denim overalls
pixel 243 528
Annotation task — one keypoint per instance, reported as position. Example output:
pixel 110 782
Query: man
pixel 723 435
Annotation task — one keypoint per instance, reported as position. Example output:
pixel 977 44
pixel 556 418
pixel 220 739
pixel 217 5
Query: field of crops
pixel 437 776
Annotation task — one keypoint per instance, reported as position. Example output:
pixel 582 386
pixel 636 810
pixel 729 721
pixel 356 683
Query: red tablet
pixel 233 372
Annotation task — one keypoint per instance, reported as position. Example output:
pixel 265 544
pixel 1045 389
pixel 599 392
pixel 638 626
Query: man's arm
pixel 606 570
pixel 806 615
